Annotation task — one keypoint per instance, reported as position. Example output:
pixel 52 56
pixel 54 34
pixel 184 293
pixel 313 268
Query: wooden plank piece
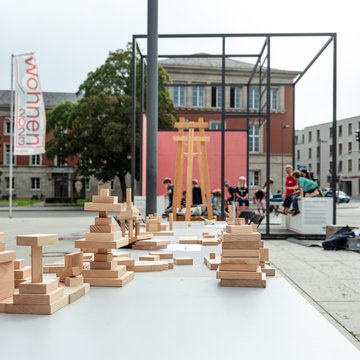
pixel 37 239
pixel 183 261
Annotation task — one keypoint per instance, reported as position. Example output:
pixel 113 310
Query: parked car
pixel 341 196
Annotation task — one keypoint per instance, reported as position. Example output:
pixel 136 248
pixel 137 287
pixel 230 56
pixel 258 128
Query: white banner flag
pixel 30 120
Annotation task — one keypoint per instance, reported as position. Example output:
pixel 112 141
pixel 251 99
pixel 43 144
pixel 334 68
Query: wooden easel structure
pixel 186 144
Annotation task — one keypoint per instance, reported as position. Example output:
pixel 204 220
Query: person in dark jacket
pixel 196 193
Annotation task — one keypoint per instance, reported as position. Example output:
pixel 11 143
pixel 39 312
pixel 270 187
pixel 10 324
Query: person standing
pixel 242 195
pixel 196 193
pixel 291 192
pixel 169 193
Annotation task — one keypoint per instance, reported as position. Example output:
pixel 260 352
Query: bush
pixel 58 200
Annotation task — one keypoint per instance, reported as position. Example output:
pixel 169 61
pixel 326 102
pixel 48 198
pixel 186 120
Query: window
pixel 340 130
pixel 303 138
pixel 331 132
pixel 309 136
pixel 216 96
pixel 330 150
pixel 350 129
pixel 358 164
pixel 340 165
pixel 35 160
pixel 7 155
pixel 254 138
pixel 330 166
pixel 7 183
pixel 310 167
pixel 179 96
pixel 349 165
pixel 198 96
pixel 309 153
pixel 318 135
pixel 297 155
pixel 296 140
pixel 35 183
pixel 87 184
pixel 318 152
pixel 254 98
pixel 235 97
pixel 318 169
pixel 7 126
pixel 274 99
pixel 254 178
pixel 350 146
pixel 340 149
pixel 215 124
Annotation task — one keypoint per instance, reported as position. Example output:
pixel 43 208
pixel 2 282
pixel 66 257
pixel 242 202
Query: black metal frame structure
pixel 263 71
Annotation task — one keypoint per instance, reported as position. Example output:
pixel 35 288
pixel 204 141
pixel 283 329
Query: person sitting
pixel 308 188
pixel 217 203
pixel 291 192
pixel 196 193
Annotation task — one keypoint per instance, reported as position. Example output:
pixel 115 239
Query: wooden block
pixel 145 266
pixel 255 283
pixel 53 268
pixel 143 236
pixel 76 292
pixel 23 273
pixel 212 256
pixel 19 281
pixel 153 242
pixel 37 239
pixel 208 236
pixel 7 256
pixel 73 265
pixel 161 233
pixel 39 299
pixel 239 221
pixel 148 247
pixel 105 192
pixel 239 229
pixel 86 244
pixel 209 242
pixel 170 265
pixel 103 221
pixel 163 227
pixel 38 309
pixel 104 257
pixel 189 240
pixel 103 214
pixel 241 252
pixel 150 227
pixel 212 264
pixel 264 254
pixel 125 261
pixel 7 285
pixel 116 235
pixel 238 267
pixel 45 287
pixel 36 264
pixel 74 280
pixel 227 237
pixel 103 265
pixel 240 260
pixel 163 254
pixel 116 282
pixel 244 244
pixel 103 228
pixel 268 270
pixel 240 275
pixel 149 257
pixel 99 273
pixel 122 254
pixel 104 199
pixel 2 246
pixel 90 206
pixel 183 261
pixel 19 264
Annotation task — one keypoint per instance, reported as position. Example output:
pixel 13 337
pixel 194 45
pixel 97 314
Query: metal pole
pixel 223 129
pixel 282 159
pixel 293 129
pixel 141 125
pixel 11 138
pixel 334 154
pixel 152 107
pixel 133 122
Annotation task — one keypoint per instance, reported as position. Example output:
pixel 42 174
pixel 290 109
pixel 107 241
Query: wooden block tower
pixel 103 238
pixel 6 270
pixel 240 257
pixel 22 272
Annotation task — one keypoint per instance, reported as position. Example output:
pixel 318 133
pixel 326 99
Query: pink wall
pixel 235 158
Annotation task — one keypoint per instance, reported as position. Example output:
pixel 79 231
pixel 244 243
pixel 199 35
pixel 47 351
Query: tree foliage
pixel 97 128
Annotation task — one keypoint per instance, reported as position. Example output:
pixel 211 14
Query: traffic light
pixel 357 136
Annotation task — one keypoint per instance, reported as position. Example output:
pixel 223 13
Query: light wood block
pixel 53 268
pixel 39 299
pixel 122 254
pixel 116 235
pixel 36 264
pixel 268 270
pixel 240 260
pixel 212 264
pixel 255 283
pixel 103 221
pixel 103 265
pixel 76 292
pixel 115 273
pixel 103 228
pixel 239 229
pixel 244 244
pixel 170 265
pixel 104 199
pixel 148 247
pixel 241 252
pixel 74 280
pixel 7 256
pixel 209 242
pixel 238 267
pixel 212 256
pixel 73 265
pixel 145 266
pixel 183 261
pixel 152 242
pixel 189 240
pixel 37 240
pixel 103 214
pixel 87 244
pixel 240 275
pixel 264 254
pixel 23 273
pixel 227 237
pixel 90 206
pixel 7 285
pixel 116 282
pixel 19 264
pixel 160 233
pixel 2 246
pixel 104 257
pixel 125 261
pixel 45 287
pixel 149 257
pixel 163 254
pixel 143 236
pixel 239 221
pixel 19 281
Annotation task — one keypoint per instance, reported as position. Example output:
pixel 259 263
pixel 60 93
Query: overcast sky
pixel 73 37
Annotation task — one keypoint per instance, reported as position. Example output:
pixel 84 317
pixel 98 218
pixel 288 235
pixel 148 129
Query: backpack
pixel 338 240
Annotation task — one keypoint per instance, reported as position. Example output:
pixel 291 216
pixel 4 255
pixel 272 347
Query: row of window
pixel 340 166
pixel 236 97
pixel 34 160
pixel 34 183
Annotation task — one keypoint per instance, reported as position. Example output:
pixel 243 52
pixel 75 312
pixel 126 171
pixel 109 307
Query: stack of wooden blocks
pixel 22 272
pixel 103 238
pixel 240 257
pixel 154 225
pixel 6 270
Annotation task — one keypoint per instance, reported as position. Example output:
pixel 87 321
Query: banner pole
pixel 11 138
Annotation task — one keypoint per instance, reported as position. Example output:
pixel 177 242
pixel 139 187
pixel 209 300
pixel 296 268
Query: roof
pixel 51 99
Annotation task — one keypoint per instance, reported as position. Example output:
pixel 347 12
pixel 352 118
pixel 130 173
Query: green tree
pixel 97 128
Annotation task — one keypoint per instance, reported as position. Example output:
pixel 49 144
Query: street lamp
pixel 282 155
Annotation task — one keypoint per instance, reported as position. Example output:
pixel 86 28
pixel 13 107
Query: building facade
pixel 314 147
pixel 196 91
